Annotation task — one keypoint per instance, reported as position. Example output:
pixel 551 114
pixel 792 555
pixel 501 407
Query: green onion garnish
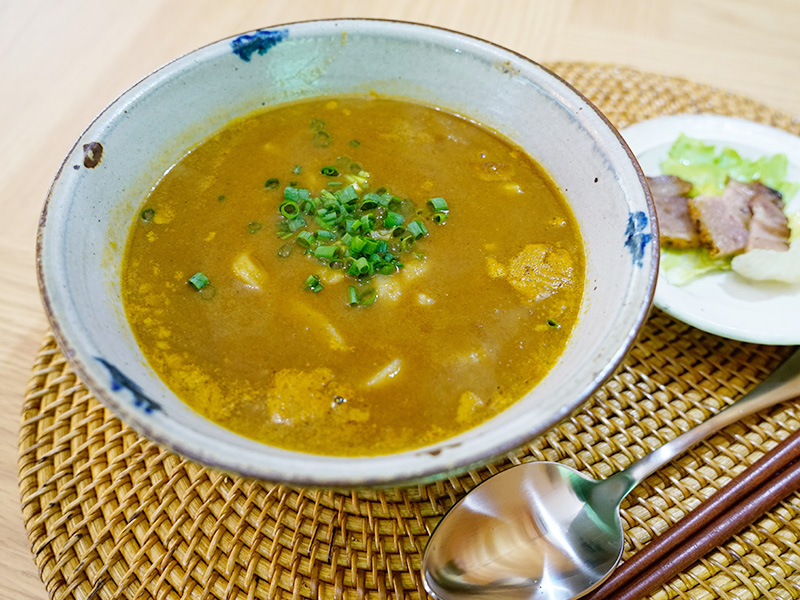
pixel 329 171
pixel 326 251
pixel 392 220
pixel 296 194
pixel 370 247
pixel 360 232
pixel 148 214
pixel 347 194
pixel 306 239
pixel 417 228
pixel 360 266
pixel 355 143
pixel 368 297
pixel 313 284
pixel 438 204
pixel 296 169
pixel 552 323
pixel 289 209
pixel 199 281
pixel 254 227
pixel 270 183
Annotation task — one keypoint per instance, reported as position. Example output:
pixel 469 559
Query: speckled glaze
pixel 116 161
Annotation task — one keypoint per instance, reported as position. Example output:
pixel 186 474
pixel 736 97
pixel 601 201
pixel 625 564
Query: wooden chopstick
pixel 740 502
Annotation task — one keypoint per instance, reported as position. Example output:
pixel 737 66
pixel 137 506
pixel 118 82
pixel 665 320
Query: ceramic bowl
pixel 116 161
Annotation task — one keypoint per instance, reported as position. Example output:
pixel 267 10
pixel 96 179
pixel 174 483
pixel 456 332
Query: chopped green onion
pixel 357 244
pixel 199 281
pixel 335 184
pixel 289 209
pixel 552 323
pixel 439 218
pixel 313 284
pixel 417 228
pixel 296 169
pixel 271 183
pixel 254 227
pixel 324 234
pixel 367 222
pixel 305 239
pixel 148 214
pixel 438 204
pixel 296 194
pixel 296 223
pixel 392 220
pixel 368 297
pixel 317 124
pixel 347 194
pixel 221 198
pixel 370 201
pixel 329 171
pixel 285 250
pixel 370 247
pixel 406 242
pixel 355 143
pixel 365 298
pixel 360 266
pixel 326 251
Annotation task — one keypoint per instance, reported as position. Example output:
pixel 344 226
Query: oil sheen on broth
pixel 271 341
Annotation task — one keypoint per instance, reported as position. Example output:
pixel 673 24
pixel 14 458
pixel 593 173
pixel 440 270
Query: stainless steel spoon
pixel 543 531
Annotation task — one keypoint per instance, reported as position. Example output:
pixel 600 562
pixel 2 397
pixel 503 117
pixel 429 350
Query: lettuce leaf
pixel 708 169
pixel 683 266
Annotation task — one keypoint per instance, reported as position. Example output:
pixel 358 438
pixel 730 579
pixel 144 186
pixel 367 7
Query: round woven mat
pixel 111 515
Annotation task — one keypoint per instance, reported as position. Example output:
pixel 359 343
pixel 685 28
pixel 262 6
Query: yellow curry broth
pixel 478 314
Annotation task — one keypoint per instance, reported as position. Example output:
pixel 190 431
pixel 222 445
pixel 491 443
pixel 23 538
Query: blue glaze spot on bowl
pixel 260 41
pixel 120 381
pixel 636 239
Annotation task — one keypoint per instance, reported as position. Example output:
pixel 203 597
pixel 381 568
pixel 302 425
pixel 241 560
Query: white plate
pixel 725 303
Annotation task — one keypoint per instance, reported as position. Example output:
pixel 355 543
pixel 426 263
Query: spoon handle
pixel 781 385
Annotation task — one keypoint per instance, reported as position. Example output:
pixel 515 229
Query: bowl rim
pixel 435 471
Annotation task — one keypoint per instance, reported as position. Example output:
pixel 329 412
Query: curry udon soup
pixel 353 276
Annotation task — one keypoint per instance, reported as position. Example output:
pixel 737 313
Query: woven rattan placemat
pixel 111 515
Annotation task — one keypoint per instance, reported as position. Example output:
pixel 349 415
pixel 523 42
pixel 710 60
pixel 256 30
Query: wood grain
pixel 62 62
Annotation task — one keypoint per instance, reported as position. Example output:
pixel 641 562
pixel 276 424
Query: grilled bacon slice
pixel 769 227
pixel 723 221
pixel 670 194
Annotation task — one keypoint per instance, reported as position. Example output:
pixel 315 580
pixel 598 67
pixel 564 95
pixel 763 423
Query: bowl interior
pixel 124 151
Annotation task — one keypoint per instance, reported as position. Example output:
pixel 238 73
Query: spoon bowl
pixel 544 531
pixel 562 526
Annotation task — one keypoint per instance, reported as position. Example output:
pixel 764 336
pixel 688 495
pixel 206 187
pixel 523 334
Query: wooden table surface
pixel 62 62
